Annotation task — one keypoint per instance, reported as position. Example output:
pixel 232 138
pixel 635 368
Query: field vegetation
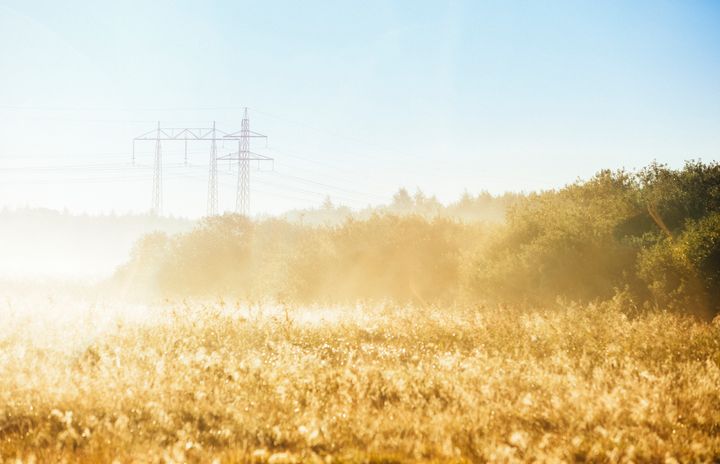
pixel 653 236
pixel 571 325
pixel 383 384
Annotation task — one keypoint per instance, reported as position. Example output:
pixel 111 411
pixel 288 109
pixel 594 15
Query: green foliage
pixel 653 235
pixel 560 243
pixel 702 247
pixel 681 195
pixel 684 274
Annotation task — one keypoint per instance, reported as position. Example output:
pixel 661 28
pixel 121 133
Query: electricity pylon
pixel 243 157
pixel 157 177
pixel 212 200
pixel 185 133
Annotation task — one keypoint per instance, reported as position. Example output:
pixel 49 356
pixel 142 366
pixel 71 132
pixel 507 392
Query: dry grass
pixel 203 384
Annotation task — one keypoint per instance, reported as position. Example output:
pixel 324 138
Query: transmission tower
pixel 242 197
pixel 212 201
pixel 211 134
pixel 243 157
pixel 157 177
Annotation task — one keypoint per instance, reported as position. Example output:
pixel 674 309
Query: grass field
pixel 209 383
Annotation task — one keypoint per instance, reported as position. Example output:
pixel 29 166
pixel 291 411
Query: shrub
pixel 684 274
pixel 654 234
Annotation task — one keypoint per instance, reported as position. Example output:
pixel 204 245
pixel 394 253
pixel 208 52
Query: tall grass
pixel 209 383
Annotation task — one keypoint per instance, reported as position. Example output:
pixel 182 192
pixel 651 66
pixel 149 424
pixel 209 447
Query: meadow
pixel 582 327
pixel 219 383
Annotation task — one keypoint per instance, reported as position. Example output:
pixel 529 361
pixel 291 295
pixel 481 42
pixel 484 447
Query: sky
pixel 357 98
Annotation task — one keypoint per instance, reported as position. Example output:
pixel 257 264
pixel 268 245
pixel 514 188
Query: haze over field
pixel 372 232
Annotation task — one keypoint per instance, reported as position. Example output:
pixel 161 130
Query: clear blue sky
pixel 358 98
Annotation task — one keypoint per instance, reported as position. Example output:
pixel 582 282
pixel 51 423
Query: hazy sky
pixel 358 98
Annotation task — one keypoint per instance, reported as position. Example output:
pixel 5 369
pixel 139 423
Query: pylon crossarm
pixel 146 135
pixel 184 133
pixel 251 157
pixel 175 133
pixel 250 134
pixel 243 156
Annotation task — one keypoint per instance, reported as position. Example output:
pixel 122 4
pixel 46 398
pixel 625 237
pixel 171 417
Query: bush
pixel 684 273
pixel 385 257
pixel 653 235
pixel 560 243
pixel 589 239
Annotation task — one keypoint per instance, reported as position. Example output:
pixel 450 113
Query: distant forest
pixel 650 238
pixel 36 242
pixel 483 207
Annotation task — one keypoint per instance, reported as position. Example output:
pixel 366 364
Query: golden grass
pixel 203 384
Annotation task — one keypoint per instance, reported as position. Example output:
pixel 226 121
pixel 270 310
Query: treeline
pixel 482 207
pixel 652 237
pixel 385 257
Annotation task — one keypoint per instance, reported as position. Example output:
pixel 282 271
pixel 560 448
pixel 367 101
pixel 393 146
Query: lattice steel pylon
pixel 212 200
pixel 157 177
pixel 242 199
pixel 186 134
pixel 243 157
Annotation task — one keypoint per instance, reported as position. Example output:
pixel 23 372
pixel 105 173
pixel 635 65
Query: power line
pixel 243 157
pixel 117 108
pixel 305 159
pixel 362 142
pixel 302 186
pixel 341 189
